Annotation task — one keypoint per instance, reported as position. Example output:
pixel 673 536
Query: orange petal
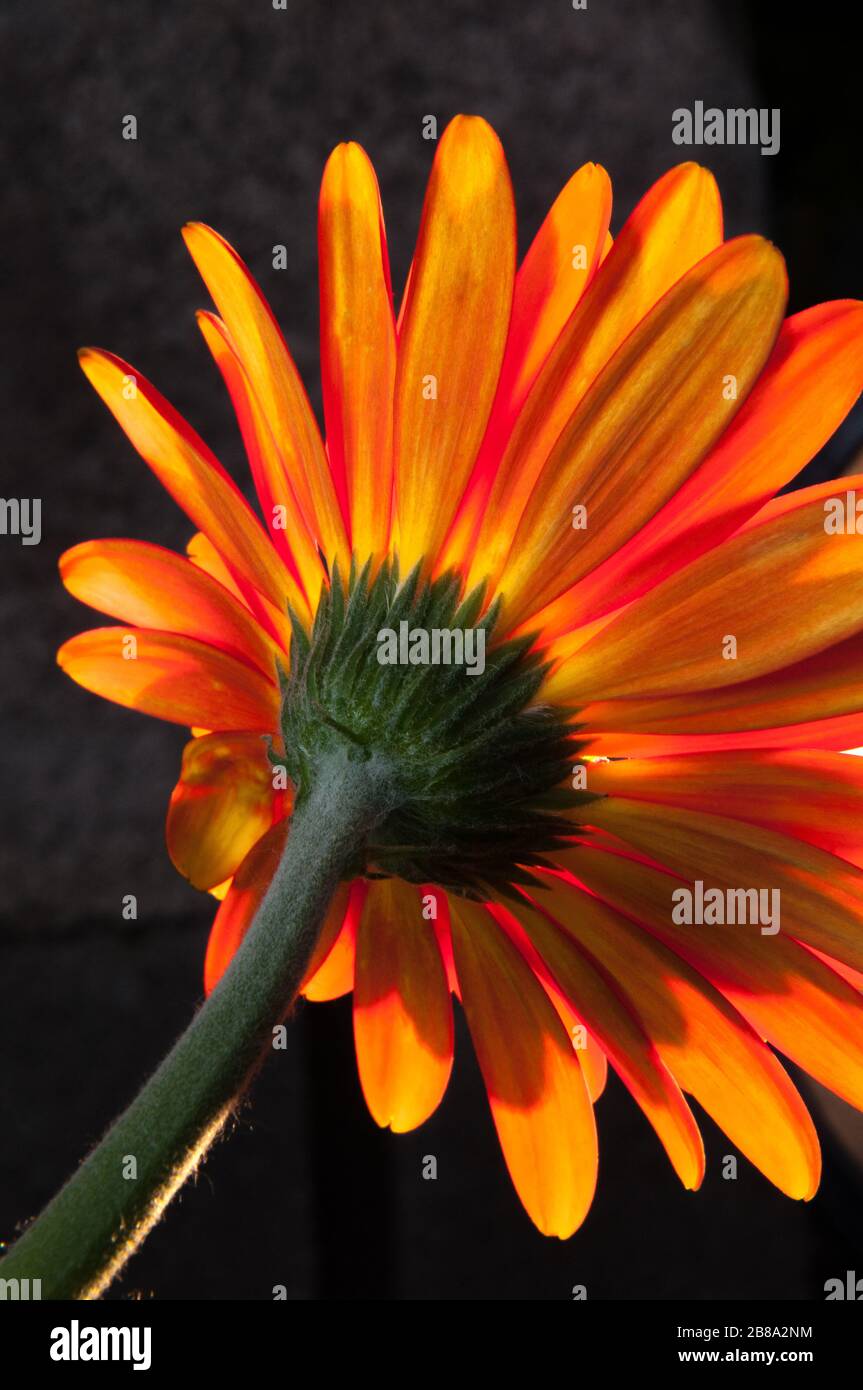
pixel 786 993
pixel 438 903
pixel 820 896
pixel 172 677
pixel 854 977
pixel 204 554
pixel 284 520
pixel 816 703
pixel 592 1059
pixel 648 420
pixel 265 357
pixel 242 900
pixel 676 224
pixel 402 1012
pixel 839 733
pixel 811 380
pixel 820 495
pixel 673 640
pixel 331 970
pixel 151 587
pixel 706 1045
pixel 804 793
pixel 238 907
pixel 594 1065
pixel 186 468
pixel 358 344
pixel 622 1038
pixel 551 279
pixel 222 805
pixel 453 332
pixel 536 1090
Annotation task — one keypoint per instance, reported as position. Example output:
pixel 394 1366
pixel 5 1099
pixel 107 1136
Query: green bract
pixel 474 774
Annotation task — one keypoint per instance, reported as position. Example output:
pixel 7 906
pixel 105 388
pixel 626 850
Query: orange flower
pixel 600 435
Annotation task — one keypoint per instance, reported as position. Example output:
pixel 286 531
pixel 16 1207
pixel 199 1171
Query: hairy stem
pixel 88 1231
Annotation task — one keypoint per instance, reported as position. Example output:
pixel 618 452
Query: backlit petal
pixel 811 380
pixel 537 1094
pixel 242 901
pixel 551 279
pixel 222 805
pixel 676 224
pixel 648 420
pixel 453 331
pixel 245 895
pixel 819 897
pixel 705 1043
pixel 623 1039
pixel 402 1011
pixel 783 589
pixel 262 350
pixel 172 677
pixel 204 554
pixel 187 469
pixel 151 587
pixel 804 793
pixel 358 344
pixel 790 997
pixel 331 969
pixel 815 703
pixel 282 514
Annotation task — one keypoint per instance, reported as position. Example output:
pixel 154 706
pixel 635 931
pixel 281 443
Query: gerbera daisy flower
pixel 579 459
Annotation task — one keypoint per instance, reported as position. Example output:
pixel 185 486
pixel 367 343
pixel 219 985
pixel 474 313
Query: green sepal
pixel 476 770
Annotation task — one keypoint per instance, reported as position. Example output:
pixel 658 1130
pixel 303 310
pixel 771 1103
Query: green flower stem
pixel 86 1234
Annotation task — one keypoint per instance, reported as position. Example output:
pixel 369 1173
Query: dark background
pixel 237 106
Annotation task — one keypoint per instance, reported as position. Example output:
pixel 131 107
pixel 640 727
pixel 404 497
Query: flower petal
pixel 403 1026
pixel 843 732
pixel 331 969
pixel 789 996
pixel 171 677
pixel 622 1038
pixel 551 279
pixel 821 896
pixel 537 1094
pixel 358 344
pixel 265 357
pixel 438 903
pixel 453 330
pixel 204 554
pixel 816 703
pixel 151 587
pixel 222 805
pixel 284 520
pixel 245 895
pixel 242 900
pixel 673 640
pixel 676 224
pixel 594 1065
pixel 648 420
pixel 190 473
pixel 706 1045
pixel 592 1059
pixel 557 269
pixel 807 794
pixel 812 378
